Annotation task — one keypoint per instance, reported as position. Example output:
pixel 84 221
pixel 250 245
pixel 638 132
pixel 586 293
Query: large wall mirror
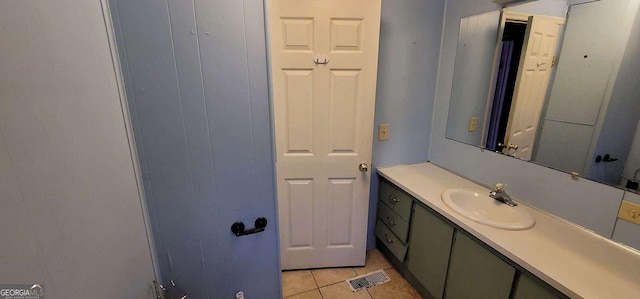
pixel 563 92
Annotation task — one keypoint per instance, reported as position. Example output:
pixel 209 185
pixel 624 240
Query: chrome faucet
pixel 500 195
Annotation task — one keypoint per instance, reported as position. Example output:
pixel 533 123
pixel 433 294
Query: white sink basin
pixel 486 210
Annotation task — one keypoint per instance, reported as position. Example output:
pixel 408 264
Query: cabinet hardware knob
pixel 389 240
pixel 391 222
pixel 394 199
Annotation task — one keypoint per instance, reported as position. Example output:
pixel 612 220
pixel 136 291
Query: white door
pixel 531 84
pixel 324 58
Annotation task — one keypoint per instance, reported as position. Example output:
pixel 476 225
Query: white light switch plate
pixel 473 124
pixel 383 132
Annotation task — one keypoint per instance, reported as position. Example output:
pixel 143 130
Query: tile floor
pixel 330 283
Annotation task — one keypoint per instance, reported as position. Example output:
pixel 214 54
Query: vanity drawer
pixel 391 241
pixel 393 221
pixel 396 199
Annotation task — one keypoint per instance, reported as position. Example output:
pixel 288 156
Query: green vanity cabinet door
pixel 429 248
pixel 475 272
pixel 529 287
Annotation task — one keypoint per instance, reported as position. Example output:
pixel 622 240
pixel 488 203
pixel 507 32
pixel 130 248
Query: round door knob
pixel 511 146
pixel 363 167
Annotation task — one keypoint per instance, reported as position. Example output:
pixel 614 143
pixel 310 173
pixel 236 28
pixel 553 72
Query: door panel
pixel 299 111
pixel 346 34
pixel 300 199
pixel 323 116
pixel 343 110
pixel 341 205
pixel 297 34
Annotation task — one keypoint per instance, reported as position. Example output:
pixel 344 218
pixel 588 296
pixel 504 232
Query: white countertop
pixel 575 261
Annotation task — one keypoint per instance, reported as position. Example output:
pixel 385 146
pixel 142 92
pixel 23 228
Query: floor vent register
pixel 368 280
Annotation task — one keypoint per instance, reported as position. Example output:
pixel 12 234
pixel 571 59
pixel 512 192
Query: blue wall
pixel 410 34
pixel 197 89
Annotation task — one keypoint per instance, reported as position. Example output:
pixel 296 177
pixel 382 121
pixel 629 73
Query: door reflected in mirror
pixel 558 92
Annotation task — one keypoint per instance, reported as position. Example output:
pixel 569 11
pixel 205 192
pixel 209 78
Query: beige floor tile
pixel 397 288
pixel 375 261
pixel 313 294
pixel 325 277
pixel 342 291
pixel 295 282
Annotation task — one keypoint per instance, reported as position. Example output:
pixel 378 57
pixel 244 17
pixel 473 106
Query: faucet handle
pixel 499 187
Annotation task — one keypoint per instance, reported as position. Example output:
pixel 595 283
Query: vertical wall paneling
pixel 616 133
pixel 121 82
pixel 475 54
pixel 587 89
pixel 155 93
pixel 135 128
pixel 198 80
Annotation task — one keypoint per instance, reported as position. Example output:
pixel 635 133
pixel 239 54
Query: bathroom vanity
pixel 441 252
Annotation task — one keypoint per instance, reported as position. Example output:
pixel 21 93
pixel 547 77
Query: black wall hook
pixel 606 158
pixel 238 227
